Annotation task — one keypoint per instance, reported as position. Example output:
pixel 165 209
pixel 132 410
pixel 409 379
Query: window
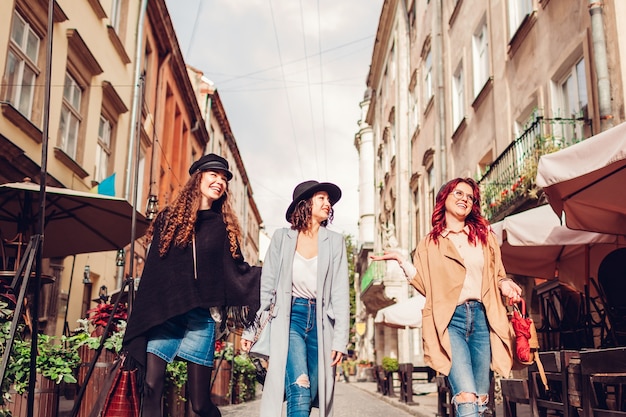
pixel 103 149
pixel 70 116
pixel 518 10
pixel 414 108
pixel 116 6
pixel 571 97
pixel 21 69
pixel 480 52
pixel 428 77
pixel 431 187
pixel 458 97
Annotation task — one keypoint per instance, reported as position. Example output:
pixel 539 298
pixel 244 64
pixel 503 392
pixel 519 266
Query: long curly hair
pixel 177 221
pixel 301 218
pixel 478 225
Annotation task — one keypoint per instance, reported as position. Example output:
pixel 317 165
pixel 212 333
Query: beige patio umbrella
pixel 75 221
pixel 586 182
pixel 407 313
pixel 535 243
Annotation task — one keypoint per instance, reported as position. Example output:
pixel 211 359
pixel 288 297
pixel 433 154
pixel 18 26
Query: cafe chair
pixel 604 382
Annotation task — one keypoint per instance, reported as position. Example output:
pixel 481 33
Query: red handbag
pixel 122 400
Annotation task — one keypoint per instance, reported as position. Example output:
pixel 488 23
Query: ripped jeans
pixel 301 379
pixel 471 357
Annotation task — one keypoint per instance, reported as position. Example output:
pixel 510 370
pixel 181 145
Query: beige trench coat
pixel 440 276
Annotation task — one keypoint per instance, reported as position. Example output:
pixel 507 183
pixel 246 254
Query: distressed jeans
pixel 301 379
pixel 471 357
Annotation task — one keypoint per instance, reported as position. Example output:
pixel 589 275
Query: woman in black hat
pixel 194 273
pixel 307 270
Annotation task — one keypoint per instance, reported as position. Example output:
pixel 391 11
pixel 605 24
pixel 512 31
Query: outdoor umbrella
pixel 402 314
pixel 75 221
pixel 586 181
pixel 535 243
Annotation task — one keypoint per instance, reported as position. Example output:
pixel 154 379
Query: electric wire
pixel 308 83
pixel 323 98
pixel 282 68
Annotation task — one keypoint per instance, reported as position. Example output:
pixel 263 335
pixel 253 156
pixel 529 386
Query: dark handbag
pixel 122 398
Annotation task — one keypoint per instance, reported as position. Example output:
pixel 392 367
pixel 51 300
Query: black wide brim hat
pixel 306 189
pixel 211 162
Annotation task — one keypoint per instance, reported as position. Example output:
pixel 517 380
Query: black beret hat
pixel 211 162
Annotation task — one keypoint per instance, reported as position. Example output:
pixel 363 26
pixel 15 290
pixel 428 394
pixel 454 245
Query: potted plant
pixel 244 379
pixel 56 363
pixel 222 366
pixel 175 381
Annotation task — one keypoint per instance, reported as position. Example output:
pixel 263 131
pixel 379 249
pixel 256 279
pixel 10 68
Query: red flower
pixel 99 315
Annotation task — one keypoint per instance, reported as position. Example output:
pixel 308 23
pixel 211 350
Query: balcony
pixel 509 183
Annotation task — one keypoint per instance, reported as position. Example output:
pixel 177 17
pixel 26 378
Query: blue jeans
pixel 301 379
pixel 471 357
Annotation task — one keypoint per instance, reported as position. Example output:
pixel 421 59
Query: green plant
pixel 176 376
pixel 390 364
pixel 57 359
pixel 244 378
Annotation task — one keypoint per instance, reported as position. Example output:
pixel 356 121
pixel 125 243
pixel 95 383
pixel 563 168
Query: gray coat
pixel 333 318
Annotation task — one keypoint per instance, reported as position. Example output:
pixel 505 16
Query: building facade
pixel 466 88
pixel 122 109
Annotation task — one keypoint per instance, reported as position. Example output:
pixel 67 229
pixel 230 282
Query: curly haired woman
pixel 458 268
pixel 194 272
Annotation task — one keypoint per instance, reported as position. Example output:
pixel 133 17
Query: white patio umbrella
pixel 402 314
pixel 535 243
pixel 586 181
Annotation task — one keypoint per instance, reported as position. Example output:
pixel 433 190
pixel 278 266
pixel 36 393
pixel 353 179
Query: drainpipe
pixel 440 98
pixel 136 106
pixel 602 68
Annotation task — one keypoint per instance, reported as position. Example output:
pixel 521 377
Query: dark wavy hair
pixel 177 221
pixel 301 217
pixel 478 225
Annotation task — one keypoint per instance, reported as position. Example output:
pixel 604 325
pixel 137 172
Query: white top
pixel 304 284
pixel 474 261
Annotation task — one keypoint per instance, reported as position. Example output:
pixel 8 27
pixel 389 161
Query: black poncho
pixel 173 285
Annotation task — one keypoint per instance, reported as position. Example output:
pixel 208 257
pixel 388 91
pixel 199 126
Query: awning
pixel 406 313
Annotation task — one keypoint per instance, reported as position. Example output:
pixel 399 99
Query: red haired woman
pixel 458 268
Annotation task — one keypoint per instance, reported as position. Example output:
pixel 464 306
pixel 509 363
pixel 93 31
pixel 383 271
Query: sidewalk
pixel 424 405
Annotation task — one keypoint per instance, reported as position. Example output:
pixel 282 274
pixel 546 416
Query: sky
pixel 291 75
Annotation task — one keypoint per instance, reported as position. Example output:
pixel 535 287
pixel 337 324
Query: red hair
pixel 478 225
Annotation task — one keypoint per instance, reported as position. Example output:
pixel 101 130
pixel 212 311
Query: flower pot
pixel 220 392
pixel 46 402
pixel 96 382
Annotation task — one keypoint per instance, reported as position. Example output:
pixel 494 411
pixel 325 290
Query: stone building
pixel 477 89
pixel 123 109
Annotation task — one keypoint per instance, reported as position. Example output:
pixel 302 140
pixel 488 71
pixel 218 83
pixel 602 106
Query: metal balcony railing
pixel 511 177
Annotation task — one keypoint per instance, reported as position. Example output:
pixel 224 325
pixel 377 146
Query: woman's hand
pixel 387 256
pixel 510 289
pixel 336 357
pixel 246 345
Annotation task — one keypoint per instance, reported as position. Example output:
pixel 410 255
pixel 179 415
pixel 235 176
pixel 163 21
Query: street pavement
pixel 360 399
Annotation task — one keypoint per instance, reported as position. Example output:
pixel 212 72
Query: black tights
pixel 198 388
